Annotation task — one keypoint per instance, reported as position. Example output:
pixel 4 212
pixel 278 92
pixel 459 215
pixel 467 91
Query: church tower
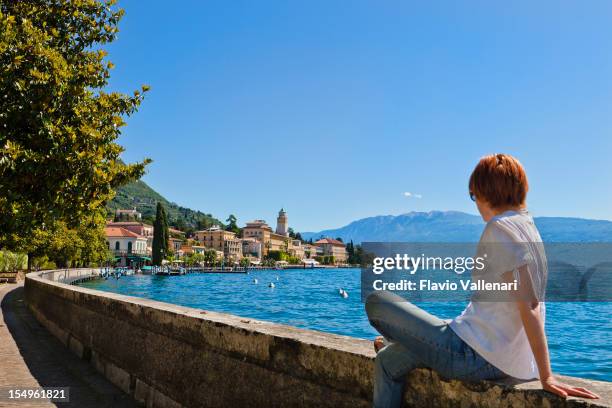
pixel 281 223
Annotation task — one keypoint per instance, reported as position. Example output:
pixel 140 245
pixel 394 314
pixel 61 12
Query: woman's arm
pixel 534 328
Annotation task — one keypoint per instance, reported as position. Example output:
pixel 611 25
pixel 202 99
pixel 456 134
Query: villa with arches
pixel 126 245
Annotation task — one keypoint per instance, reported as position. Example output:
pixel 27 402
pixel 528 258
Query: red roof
pixel 119 232
pixel 129 223
pixel 329 241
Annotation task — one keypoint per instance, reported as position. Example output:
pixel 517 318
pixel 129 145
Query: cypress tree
pixel 160 235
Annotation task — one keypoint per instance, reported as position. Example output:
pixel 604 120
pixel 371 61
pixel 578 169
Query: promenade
pixel 31 357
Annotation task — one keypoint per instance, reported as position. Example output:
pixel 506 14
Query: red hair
pixel 500 180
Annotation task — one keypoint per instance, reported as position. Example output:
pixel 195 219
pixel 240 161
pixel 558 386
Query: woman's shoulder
pixel 496 231
pixel 514 226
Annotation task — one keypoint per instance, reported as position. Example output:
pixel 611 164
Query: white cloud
pixel 413 195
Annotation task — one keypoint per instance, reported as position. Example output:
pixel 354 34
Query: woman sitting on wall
pixel 490 339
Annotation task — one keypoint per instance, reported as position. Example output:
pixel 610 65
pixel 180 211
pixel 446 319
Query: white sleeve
pixel 504 251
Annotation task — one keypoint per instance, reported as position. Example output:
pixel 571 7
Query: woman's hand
pixel 379 343
pixel 550 384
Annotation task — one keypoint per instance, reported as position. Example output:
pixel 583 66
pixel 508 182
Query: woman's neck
pixel 501 210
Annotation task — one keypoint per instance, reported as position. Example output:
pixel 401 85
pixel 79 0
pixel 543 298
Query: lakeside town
pixel 131 243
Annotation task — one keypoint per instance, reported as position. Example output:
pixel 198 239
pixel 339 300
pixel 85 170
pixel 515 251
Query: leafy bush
pixel 12 262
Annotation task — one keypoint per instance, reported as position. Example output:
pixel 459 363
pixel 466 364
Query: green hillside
pixel 139 195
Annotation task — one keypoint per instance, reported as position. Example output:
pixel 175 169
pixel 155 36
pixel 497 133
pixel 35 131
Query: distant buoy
pixel 255 281
pixel 277 278
pixel 271 285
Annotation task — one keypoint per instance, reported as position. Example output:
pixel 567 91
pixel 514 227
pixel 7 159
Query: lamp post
pixel 161 251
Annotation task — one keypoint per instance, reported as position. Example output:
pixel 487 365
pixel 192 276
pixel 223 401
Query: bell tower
pixel 281 223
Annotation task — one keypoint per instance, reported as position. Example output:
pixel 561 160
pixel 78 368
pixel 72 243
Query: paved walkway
pixel 31 357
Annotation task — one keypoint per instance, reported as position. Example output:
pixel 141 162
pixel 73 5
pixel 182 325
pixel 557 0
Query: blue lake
pixel 579 334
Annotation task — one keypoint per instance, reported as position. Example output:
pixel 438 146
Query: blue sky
pixel 335 109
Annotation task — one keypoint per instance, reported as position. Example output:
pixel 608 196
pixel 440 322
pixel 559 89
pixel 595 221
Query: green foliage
pixel 210 257
pixel 141 196
pixel 268 262
pixel 244 262
pixel 63 246
pixel 12 262
pixel 193 259
pixel 160 236
pixel 326 259
pixel 294 260
pixel 278 255
pixel 232 225
pixel 43 262
pixel 294 235
pixel 59 160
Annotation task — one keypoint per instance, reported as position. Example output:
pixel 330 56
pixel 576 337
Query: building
pixel 297 249
pixel 174 245
pixel 221 240
pixel 332 247
pixel 127 215
pixel 176 233
pixel 192 249
pixel 128 247
pixel 251 247
pixel 270 241
pixel 310 251
pixel 136 227
pixel 232 249
pixel 282 227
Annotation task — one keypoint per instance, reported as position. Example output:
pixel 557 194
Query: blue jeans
pixel 417 340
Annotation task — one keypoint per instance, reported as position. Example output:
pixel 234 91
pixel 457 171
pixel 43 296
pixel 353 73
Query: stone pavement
pixel 31 357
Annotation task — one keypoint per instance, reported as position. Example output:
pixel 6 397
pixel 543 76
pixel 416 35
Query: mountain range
pixel 433 226
pixel 455 226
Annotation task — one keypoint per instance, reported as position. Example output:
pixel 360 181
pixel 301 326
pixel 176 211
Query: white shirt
pixel 494 328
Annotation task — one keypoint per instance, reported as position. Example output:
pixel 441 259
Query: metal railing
pixel 69 275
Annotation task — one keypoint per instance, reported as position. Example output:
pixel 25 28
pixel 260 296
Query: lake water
pixel 579 334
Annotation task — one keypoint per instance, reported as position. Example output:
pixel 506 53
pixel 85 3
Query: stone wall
pixel 169 356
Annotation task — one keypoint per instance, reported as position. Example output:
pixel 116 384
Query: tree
pixel 197 259
pixel 245 262
pixel 278 255
pixel 59 160
pixel 232 224
pixel 160 235
pixel 11 262
pixel 210 257
pixel 94 248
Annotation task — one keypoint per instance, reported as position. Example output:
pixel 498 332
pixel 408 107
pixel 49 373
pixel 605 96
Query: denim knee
pixel 378 304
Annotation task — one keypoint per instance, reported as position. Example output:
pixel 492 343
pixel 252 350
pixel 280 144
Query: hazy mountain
pixel 455 226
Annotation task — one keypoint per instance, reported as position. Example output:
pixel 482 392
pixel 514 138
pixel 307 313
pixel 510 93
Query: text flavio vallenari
pixel 447 285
